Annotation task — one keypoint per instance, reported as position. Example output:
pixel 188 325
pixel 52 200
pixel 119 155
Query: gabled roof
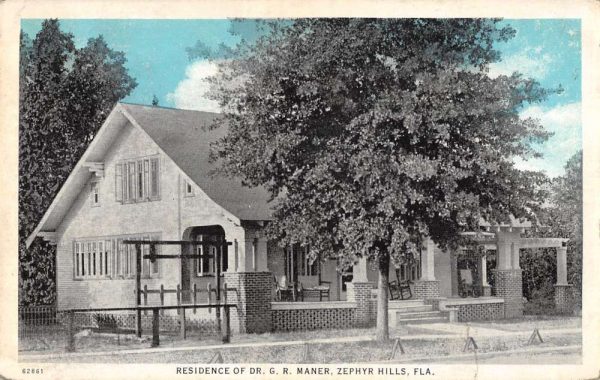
pixel 184 136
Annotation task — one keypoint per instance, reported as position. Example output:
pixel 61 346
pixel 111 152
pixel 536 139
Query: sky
pixel 548 50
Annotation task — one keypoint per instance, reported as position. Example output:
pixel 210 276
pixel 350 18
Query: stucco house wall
pixel 168 217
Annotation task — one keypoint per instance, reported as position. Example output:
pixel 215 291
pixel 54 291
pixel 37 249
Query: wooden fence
pixel 224 329
pixel 194 294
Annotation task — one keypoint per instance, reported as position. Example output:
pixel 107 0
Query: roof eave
pixel 64 188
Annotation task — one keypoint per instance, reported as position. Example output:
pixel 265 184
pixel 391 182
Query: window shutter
pixel 154 179
pixel 132 181
pixel 76 259
pixel 146 179
pixel 119 182
pixel 140 180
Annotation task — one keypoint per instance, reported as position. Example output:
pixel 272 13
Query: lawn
pixel 417 340
pixel 531 322
pixel 346 352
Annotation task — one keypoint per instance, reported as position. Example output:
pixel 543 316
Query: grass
pixel 531 322
pixel 348 352
pixel 364 350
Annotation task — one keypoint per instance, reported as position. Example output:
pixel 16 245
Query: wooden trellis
pixel 153 257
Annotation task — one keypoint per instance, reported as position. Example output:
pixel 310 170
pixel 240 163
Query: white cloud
pixel 191 92
pixel 529 62
pixel 565 122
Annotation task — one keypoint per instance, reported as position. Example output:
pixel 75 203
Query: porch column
pixel 562 290
pixel 260 254
pixel 359 271
pixel 561 266
pixel 515 250
pixel 503 253
pixel 508 275
pixel 454 273
pixel 359 291
pixel 249 284
pixel 427 287
pixel 427 261
pixel 485 287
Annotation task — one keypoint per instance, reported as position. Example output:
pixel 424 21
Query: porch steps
pixel 413 312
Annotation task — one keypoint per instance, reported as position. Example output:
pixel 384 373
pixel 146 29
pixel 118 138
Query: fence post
pixel 138 280
pixel 194 297
pixel 162 298
pixel 182 332
pixel 70 331
pixel 155 327
pixel 227 335
pixel 177 291
pixel 145 298
pixel 208 287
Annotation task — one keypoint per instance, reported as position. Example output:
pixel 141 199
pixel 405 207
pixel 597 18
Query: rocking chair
pixel 399 289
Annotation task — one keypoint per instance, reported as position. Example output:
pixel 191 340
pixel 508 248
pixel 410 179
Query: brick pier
pixel 252 294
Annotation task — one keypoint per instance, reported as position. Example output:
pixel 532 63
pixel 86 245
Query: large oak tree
pixel 372 134
pixel 65 95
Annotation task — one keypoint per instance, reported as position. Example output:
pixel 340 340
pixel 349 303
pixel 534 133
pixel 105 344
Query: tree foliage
pixel 65 95
pixel 563 217
pixel 372 134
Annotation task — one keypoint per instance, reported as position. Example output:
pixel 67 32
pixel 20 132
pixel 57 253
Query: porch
pixel 272 285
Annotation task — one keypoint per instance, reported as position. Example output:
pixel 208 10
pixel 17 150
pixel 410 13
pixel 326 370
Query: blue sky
pixel 548 50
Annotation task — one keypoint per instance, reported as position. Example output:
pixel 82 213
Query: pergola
pixel 153 257
pixel 506 240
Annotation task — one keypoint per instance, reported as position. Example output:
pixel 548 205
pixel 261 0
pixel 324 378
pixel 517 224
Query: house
pixel 147 175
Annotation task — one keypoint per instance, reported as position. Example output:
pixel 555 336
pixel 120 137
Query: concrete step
pixel 400 304
pixel 439 319
pixel 422 314
pixel 411 309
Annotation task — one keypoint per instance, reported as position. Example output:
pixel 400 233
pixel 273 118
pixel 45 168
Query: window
pixel 92 259
pixel 94 196
pixel 110 258
pixel 206 265
pixel 188 189
pixel 137 180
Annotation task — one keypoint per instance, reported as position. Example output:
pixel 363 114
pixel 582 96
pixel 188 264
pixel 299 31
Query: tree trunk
pixel 383 331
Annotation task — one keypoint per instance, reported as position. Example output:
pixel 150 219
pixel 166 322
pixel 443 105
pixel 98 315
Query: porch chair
pixel 466 282
pixel 311 287
pixel 399 289
pixel 283 290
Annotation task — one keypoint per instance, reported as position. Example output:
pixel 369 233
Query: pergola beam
pixel 542 242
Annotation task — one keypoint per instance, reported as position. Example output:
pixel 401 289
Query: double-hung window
pixel 137 180
pixel 92 259
pixel 110 258
pixel 206 264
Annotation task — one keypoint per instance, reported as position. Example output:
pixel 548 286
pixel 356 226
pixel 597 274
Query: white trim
pixel 312 305
pixel 49 236
pixel 95 167
pixel 470 301
pixel 541 242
